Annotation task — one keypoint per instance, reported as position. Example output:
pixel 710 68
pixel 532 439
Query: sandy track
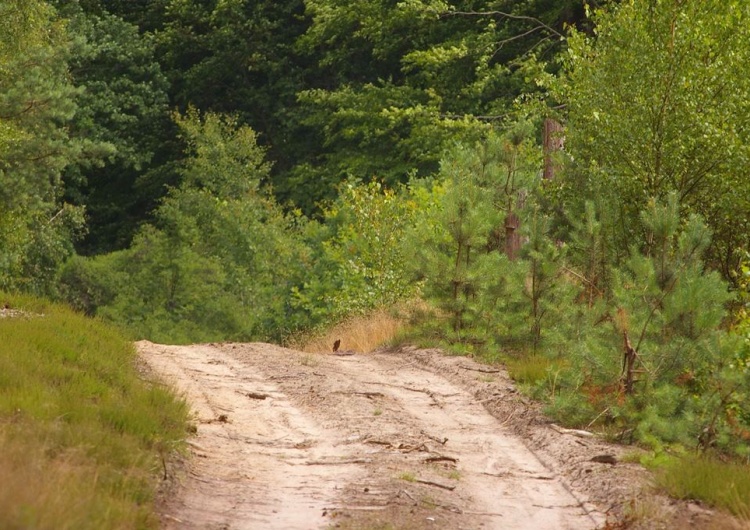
pixel 287 440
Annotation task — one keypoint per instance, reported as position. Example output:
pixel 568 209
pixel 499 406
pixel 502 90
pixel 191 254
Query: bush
pixel 362 261
pixel 219 259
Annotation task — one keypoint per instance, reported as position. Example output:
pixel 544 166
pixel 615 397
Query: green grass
pixel 719 484
pixel 81 435
pixel 528 370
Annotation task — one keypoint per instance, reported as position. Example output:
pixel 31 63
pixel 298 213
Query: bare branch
pixel 506 15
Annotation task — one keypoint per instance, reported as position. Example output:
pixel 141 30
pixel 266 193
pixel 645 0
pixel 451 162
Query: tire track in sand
pixel 336 437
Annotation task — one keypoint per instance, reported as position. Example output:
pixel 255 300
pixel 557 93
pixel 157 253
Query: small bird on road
pixel 336 345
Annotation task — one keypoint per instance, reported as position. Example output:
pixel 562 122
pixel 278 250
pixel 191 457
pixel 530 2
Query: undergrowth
pixel 82 437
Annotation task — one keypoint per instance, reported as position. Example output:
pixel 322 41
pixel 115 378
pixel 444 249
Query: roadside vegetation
pixel 718 483
pixel 83 439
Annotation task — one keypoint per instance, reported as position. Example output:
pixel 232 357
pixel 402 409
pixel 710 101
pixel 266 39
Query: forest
pixel 559 185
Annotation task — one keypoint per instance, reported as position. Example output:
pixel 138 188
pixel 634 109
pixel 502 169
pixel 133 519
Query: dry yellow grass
pixel 46 489
pixel 46 493
pixel 361 334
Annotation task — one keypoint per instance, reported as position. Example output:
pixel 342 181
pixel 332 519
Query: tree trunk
pixel 554 141
pixel 512 237
pixel 512 224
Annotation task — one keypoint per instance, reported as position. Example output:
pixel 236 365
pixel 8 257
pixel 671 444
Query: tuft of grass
pixel 528 370
pixel 82 435
pixel 635 456
pixel 645 511
pixel 309 360
pixel 723 485
pixel 454 474
pixel 408 476
pixel 362 334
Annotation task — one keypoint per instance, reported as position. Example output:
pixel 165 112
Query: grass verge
pixel 723 485
pixel 528 370
pixel 81 435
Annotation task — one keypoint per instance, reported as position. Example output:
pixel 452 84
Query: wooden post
pixel 554 141
pixel 512 238
pixel 512 224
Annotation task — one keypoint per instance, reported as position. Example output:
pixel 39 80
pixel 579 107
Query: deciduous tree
pixel 658 102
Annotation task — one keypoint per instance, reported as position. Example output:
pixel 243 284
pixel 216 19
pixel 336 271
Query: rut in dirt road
pixel 288 440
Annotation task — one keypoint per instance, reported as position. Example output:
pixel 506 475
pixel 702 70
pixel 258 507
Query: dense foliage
pixel 657 103
pixel 205 170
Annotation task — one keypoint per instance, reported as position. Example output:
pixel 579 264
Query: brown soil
pixel 405 439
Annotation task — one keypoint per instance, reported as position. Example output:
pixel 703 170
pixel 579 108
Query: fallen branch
pixel 405 448
pixel 510 417
pixel 366 394
pixel 408 495
pixel 440 458
pixel 409 388
pixel 491 398
pixel 337 462
pixel 524 475
pixel 436 484
pixel 574 432
pixel 363 508
pixel 434 438
pixel 380 442
pixel 427 391
pixel 483 370
pixel 489 514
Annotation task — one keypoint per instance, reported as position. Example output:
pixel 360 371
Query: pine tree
pixel 122 111
pixel 36 105
pixel 462 255
pixel 652 349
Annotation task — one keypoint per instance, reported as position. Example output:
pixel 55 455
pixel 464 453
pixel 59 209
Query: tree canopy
pixel 657 101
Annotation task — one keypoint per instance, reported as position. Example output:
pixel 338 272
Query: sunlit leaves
pixel 225 158
pixel 659 102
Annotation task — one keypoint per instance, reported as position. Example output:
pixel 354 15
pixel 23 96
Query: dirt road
pixel 410 439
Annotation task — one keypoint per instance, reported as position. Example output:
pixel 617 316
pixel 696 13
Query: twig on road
pixel 483 370
pixel 440 458
pixel 434 438
pixel 436 484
